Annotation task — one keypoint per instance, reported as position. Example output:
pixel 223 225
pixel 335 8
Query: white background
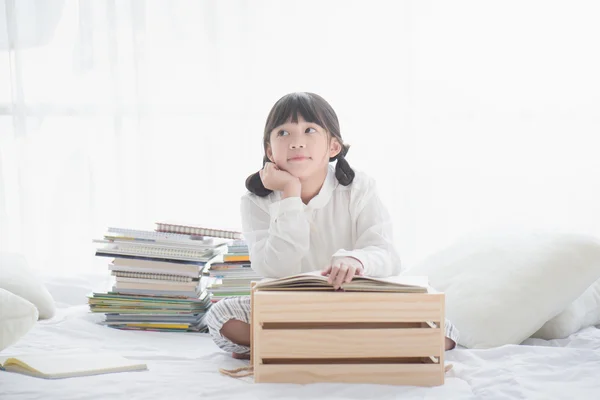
pixel 471 115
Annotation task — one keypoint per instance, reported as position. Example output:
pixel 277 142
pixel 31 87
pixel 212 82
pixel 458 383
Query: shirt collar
pixel 329 185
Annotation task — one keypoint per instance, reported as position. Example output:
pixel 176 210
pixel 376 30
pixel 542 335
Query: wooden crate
pixel 383 338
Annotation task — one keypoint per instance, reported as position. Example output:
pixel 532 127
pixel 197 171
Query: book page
pixel 316 280
pixel 52 364
pixel 421 281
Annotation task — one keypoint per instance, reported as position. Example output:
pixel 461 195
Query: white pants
pixel 239 308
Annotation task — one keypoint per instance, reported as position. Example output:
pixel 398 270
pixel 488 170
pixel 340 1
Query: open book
pixel 315 281
pixel 55 366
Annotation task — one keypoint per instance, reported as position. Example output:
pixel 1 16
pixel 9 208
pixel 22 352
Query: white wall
pixel 471 115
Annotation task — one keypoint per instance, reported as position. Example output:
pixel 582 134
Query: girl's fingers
pixel 341 276
pixel 333 273
pixel 261 174
pixel 350 274
pixel 326 270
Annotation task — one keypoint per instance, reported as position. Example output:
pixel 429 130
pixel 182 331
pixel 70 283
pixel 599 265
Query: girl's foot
pixel 240 356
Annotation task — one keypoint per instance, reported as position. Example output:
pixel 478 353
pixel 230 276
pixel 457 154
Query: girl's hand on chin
pixel 276 179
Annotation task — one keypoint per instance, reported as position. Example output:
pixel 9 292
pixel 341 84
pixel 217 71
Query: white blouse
pixel 287 237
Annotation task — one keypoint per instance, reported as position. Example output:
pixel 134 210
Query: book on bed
pixel 316 281
pixel 51 365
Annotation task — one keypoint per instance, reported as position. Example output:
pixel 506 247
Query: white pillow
pixel 16 277
pixel 500 289
pixel 582 313
pixel 17 316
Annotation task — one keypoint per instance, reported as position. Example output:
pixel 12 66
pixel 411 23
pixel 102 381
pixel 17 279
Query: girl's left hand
pixel 342 270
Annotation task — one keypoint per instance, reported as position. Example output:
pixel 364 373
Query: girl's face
pixel 301 149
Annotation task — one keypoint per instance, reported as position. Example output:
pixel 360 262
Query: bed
pixel 185 365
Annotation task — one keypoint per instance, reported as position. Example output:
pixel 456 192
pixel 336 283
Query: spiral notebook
pixel 163 245
pixel 154 236
pixel 155 251
pixel 150 276
pixel 148 284
pixel 137 266
pixel 196 230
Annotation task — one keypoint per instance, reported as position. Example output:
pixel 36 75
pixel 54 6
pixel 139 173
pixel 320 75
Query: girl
pixel 301 214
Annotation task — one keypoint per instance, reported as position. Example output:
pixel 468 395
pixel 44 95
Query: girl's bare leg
pixel 238 332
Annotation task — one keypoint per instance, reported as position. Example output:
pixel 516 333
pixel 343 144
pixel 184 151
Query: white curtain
pixel 471 115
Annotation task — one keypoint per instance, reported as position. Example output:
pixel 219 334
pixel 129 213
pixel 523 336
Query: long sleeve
pixel 374 246
pixel 278 239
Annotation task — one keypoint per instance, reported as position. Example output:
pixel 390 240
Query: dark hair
pixel 313 108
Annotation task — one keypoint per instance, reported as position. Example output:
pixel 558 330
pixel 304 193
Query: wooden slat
pixel 381 360
pixel 252 324
pixel 343 325
pixel 348 343
pixel 388 374
pixel 346 307
pixel 442 324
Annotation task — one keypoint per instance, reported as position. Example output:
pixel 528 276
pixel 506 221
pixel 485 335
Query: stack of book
pixel 158 281
pixel 232 276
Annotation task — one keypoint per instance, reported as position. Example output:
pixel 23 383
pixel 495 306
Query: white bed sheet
pixel 185 366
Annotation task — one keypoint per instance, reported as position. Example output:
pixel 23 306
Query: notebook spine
pixel 197 231
pixel 139 249
pixel 145 275
pixel 154 235
pixel 202 247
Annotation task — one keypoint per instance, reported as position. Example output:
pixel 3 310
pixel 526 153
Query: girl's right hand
pixel 277 179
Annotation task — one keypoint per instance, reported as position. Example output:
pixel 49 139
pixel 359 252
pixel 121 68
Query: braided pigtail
pixel 254 183
pixel 343 172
